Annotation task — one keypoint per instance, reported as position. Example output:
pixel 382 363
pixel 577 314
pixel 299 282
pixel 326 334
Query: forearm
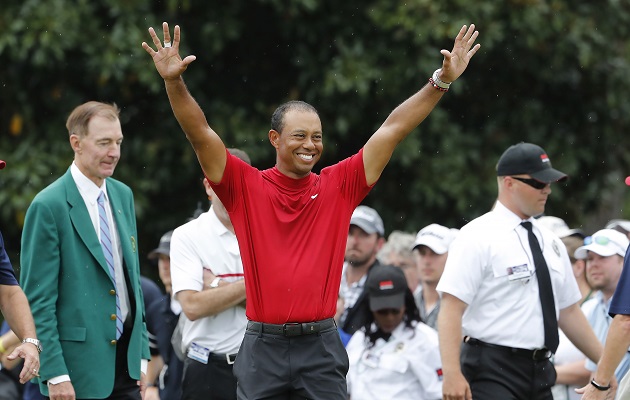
pixel 617 343
pixel 450 335
pixel 572 373
pixel 408 115
pixel 575 326
pixel 188 113
pixel 211 301
pixel 16 311
pixel 207 144
pixel 154 368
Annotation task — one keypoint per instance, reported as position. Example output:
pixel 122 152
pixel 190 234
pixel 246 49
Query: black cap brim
pixel 396 300
pixel 549 175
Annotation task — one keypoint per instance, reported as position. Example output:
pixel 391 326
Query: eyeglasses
pixel 388 311
pixel 603 240
pixel 531 182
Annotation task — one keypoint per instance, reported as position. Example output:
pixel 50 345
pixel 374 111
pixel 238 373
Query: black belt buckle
pixel 541 354
pixel 292 329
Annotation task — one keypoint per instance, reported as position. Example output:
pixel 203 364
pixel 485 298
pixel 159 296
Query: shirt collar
pixel 512 220
pixel 87 188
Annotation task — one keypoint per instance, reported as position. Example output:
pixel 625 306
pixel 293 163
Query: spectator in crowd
pixel 394 355
pixel 568 360
pixel 20 339
pixel 397 251
pixel 572 239
pixel 80 269
pixel 207 276
pixel 603 384
pixel 366 237
pixel 621 225
pixel 506 288
pixel 292 224
pixel 604 253
pixel 430 250
pixel 165 371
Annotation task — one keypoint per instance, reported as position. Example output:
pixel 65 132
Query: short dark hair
pixel 277 119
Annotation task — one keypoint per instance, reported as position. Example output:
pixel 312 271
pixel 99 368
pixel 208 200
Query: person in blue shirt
pixel 17 313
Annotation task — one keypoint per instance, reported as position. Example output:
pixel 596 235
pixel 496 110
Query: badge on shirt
pixel 555 248
pixel 198 353
pixel 518 273
pixel 439 374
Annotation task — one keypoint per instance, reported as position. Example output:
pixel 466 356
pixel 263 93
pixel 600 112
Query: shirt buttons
pixel 112 292
pixel 112 317
pixel 113 342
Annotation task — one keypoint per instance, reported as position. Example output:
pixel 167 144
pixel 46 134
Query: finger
pixel 461 33
pixel 473 51
pixel 471 41
pixel 156 39
pixel 167 34
pixel 176 37
pixel 148 49
pixel 469 32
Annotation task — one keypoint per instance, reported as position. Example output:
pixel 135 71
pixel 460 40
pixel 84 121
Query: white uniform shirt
pixel 503 310
pixel 206 243
pixel 408 366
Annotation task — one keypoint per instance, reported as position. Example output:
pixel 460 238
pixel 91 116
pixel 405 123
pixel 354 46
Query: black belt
pixel 536 355
pixel 228 358
pixel 292 328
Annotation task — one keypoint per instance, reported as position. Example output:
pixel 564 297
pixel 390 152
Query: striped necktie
pixel 106 244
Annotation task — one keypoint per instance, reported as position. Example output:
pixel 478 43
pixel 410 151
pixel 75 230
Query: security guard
pixel 506 287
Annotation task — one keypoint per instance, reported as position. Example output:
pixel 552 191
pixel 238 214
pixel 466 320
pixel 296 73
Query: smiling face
pixel 603 273
pixel 299 146
pixel 96 153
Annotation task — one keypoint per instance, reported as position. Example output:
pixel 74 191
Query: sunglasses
pixel 603 240
pixel 531 182
pixel 388 311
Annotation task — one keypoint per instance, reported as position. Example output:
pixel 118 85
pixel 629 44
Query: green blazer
pixel 72 298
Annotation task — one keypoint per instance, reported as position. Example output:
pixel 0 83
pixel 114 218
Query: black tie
pixel 545 291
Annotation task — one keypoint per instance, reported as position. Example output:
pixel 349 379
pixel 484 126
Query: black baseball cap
pixel 531 159
pixel 163 248
pixel 386 287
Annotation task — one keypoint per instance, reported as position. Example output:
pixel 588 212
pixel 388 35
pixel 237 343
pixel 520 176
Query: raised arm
pixel 207 144
pixel 408 115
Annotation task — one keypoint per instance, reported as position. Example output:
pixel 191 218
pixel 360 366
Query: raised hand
pixel 456 60
pixel 167 60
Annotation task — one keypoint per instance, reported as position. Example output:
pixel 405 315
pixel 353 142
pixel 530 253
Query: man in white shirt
pixel 506 288
pixel 430 251
pixel 207 279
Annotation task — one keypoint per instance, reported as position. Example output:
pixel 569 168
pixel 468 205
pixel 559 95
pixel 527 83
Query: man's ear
pixel 75 143
pixel 274 138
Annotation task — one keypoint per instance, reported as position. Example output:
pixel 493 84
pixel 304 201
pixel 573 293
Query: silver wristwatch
pixel 33 342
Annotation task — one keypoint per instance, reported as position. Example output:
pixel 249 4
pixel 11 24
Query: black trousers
pixel 497 374
pixel 212 381
pixel 275 367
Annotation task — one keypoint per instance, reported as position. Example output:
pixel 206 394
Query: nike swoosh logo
pixel 315 195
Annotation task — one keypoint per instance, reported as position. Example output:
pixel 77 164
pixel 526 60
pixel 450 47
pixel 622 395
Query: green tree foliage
pixel 550 72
